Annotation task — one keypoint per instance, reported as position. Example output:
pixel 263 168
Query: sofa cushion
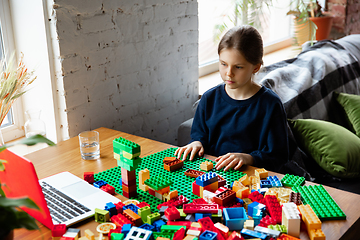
pixel 350 104
pixel 333 147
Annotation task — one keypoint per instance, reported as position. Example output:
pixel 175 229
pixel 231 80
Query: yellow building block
pixel 237 186
pixel 130 155
pixel 117 156
pixel 89 234
pixel 211 187
pixel 316 234
pixel 309 217
pixel 170 195
pixel 144 175
pixel 206 166
pixel 245 180
pixel 261 173
pixel 249 224
pixel 247 201
pixel 243 193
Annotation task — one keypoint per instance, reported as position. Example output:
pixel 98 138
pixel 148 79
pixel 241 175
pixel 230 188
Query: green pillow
pixel 351 105
pixel 333 147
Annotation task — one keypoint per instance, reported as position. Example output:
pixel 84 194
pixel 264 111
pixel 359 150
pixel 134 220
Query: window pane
pixel 275 22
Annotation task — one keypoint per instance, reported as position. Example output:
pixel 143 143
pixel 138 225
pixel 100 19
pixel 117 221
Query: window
pixel 11 127
pixel 276 30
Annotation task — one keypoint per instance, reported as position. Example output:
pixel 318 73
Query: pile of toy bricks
pixel 127 155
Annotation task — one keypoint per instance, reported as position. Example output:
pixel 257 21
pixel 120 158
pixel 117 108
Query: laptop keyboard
pixel 62 208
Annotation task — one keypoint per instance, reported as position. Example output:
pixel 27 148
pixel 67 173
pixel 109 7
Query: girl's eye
pixel 223 64
pixel 238 67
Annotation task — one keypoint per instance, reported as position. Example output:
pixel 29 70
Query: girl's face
pixel 235 71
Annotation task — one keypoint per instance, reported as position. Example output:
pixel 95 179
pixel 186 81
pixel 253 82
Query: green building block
pixel 125 165
pixel 101 216
pixel 126 145
pixel 154 163
pixel 158 182
pixel 173 228
pixel 117 236
pixel 320 201
pixel 131 162
pixel 292 180
pixel 144 212
pixel 150 219
pixel 277 227
pixel 164 234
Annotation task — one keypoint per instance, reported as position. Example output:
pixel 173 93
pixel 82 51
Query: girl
pixel 239 120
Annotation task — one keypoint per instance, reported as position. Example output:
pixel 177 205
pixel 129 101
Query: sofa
pixel 309 86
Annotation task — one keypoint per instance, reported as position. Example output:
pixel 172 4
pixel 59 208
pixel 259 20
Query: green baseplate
pixel 154 162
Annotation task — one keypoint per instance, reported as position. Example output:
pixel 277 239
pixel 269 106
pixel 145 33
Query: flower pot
pixel 303 31
pixel 7 236
pixel 324 25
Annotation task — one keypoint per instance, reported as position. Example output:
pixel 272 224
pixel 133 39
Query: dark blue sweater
pixel 256 126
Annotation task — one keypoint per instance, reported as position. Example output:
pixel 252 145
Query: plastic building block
pixel 111 208
pixel 117 236
pixel 137 233
pixel 291 219
pixel 328 209
pixel 132 216
pixel 89 177
pixel 234 218
pixel 271 233
pixel 193 173
pixel 152 218
pixel 292 180
pixel 119 207
pixel 221 181
pixel 265 184
pixel 224 230
pixel 89 234
pixel 261 173
pixel 225 197
pixel 170 195
pixel 176 202
pixel 108 188
pixel 278 227
pixel 126 145
pixel 273 207
pixel 147 227
pixel 206 179
pixel 255 209
pixel 275 181
pixel 207 224
pixel 200 208
pixel 316 234
pixel 125 229
pixel 99 183
pixel 252 234
pixel 266 221
pixel 172 213
pixel 254 182
pixel 208 235
pixel 287 237
pixel 130 155
pixel 132 207
pixel 173 165
pixel 257 197
pixel 179 234
pixel 245 180
pixel 309 217
pixel 101 216
pixel 249 224
pixel 158 182
pixel 235 236
pixel 206 166
pixel 295 198
pixel 58 230
pixel 119 220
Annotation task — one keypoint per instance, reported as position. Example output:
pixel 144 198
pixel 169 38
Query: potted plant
pixel 309 21
pixel 11 216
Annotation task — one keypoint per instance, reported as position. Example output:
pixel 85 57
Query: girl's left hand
pixel 233 160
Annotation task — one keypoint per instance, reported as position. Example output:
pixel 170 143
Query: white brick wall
pixel 128 65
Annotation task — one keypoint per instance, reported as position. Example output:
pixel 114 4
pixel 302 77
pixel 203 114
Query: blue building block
pixel 206 179
pixel 256 209
pixel 99 183
pixel 111 208
pixel 137 233
pixel 132 207
pixel 202 215
pixel 234 218
pixel 126 228
pixel 157 224
pixel 208 235
pixel 147 226
pixel 246 233
pixel 275 181
pixel 265 184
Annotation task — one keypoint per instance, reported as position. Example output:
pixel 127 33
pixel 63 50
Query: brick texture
pixel 128 65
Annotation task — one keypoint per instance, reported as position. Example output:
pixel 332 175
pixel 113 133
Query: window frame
pixel 16 129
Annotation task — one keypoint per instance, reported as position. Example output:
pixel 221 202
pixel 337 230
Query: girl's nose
pixel 229 72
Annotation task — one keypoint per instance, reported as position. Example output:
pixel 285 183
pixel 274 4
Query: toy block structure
pixel 273 207
pixel 312 222
pixel 292 181
pixel 193 173
pixel 158 186
pixel 234 218
pixel 275 181
pixel 206 166
pixel 127 155
pixel 291 219
pixel 261 173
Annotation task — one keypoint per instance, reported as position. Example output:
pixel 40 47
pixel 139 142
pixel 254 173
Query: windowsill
pixel 21 149
pixel 210 80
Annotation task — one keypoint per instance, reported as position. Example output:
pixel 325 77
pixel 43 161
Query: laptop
pixel 63 198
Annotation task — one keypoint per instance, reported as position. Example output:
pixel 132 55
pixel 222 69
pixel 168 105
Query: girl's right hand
pixel 193 148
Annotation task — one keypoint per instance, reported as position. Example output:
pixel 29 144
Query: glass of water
pixel 89 145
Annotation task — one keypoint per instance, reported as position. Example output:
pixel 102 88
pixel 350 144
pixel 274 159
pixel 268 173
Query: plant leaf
pixel 2 166
pixel 18 202
pixel 30 141
pixel 24 220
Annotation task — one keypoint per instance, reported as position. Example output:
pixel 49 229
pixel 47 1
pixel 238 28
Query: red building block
pixel 173 165
pixel 119 207
pixel 273 207
pixel 119 220
pixel 193 173
pixel 108 188
pixel 176 202
pixel 142 204
pixel 257 197
pixel 58 230
pixel 179 234
pixel 89 177
pixel 207 224
pixel 200 208
pixel 235 236
pixel 171 213
pixel 198 201
pixel 266 221
pixel 225 198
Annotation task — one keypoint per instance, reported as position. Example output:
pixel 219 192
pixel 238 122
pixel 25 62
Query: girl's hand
pixel 193 148
pixel 233 160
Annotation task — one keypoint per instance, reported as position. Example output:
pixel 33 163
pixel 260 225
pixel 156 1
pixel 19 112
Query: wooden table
pixel 66 157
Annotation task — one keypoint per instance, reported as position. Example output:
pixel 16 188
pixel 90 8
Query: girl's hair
pixel 247 40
